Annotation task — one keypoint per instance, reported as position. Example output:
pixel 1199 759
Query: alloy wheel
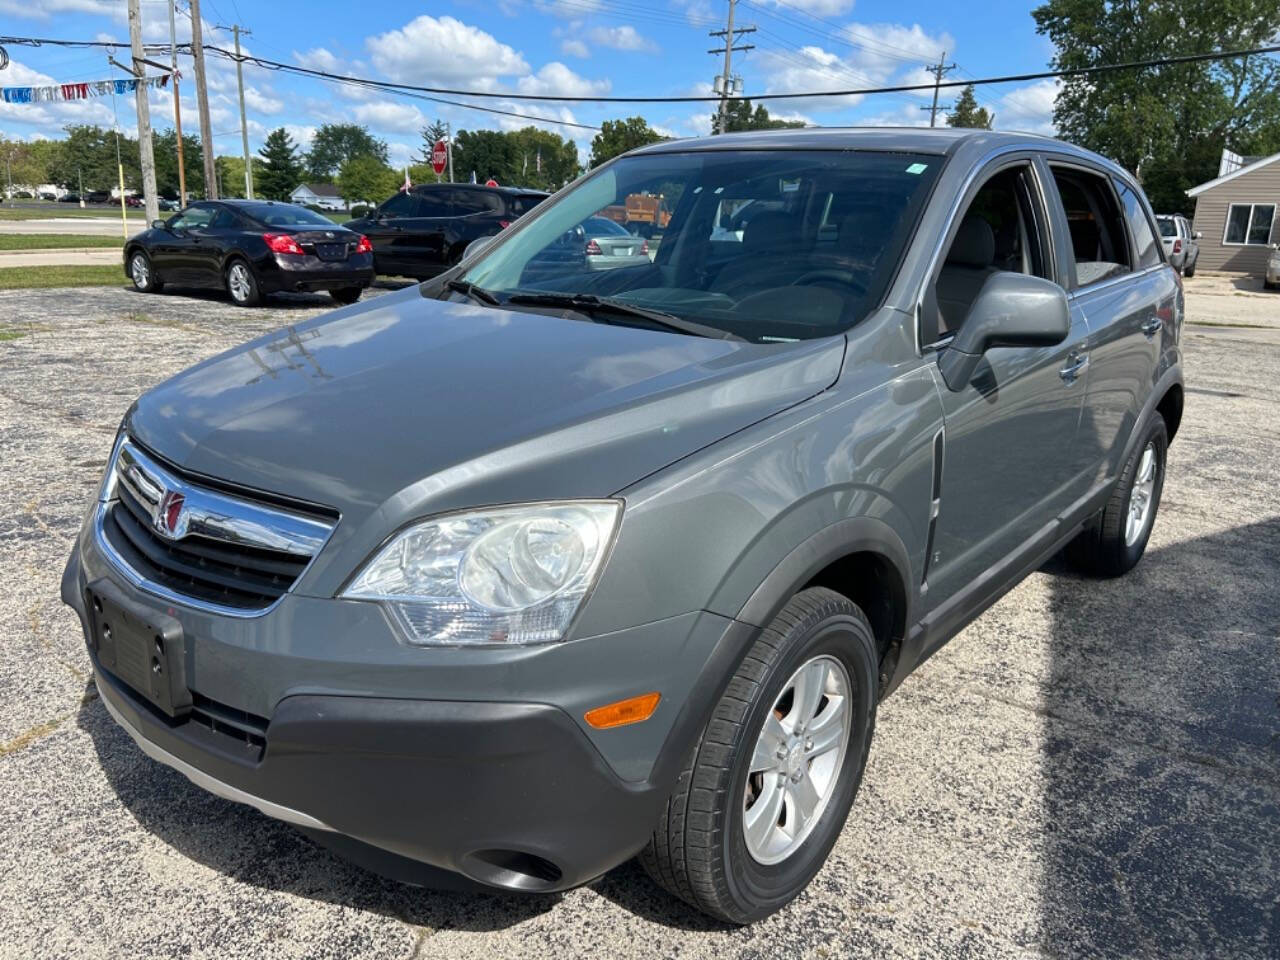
pixel 140 270
pixel 1140 499
pixel 797 760
pixel 238 281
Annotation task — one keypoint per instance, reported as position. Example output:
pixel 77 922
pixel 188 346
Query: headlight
pixel 506 575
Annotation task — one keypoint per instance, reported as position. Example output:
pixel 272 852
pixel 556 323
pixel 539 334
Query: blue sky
pixel 576 47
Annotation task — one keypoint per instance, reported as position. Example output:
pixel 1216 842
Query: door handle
pixel 1151 327
pixel 1076 365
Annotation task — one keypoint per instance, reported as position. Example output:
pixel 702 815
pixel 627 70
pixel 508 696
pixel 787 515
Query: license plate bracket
pixel 140 645
pixel 331 251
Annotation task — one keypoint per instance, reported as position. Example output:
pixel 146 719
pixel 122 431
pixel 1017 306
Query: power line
pixel 702 98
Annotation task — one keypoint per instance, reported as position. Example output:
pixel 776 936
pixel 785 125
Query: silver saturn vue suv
pixel 533 568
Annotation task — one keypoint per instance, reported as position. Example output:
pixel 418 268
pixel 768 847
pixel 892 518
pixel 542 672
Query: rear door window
pixel 469 202
pixel 1144 238
pixel 1099 242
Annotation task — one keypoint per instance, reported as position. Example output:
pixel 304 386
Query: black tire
pixel 1103 548
pixel 241 283
pixel 698 851
pixel 1190 270
pixel 346 295
pixel 142 273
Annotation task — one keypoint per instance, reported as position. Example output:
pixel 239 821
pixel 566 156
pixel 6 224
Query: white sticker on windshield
pixel 917 168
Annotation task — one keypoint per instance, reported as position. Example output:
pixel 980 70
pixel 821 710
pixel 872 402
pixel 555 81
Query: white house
pixel 322 195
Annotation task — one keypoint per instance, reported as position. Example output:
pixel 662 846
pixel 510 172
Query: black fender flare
pixel 840 539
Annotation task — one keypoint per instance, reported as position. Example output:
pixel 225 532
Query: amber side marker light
pixel 631 710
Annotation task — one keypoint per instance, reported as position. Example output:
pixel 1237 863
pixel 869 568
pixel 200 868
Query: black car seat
pixel 968 264
pixel 767 241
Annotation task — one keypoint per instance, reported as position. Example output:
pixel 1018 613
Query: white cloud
pixel 389 115
pixel 320 58
pixel 621 38
pixel 555 79
pixel 256 100
pixel 444 49
pixel 821 8
pixel 46 9
pixel 302 134
pixel 574 48
pixel 1028 109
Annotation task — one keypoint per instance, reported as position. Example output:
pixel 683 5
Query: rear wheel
pixel 142 274
pixel 346 295
pixel 1190 270
pixel 767 789
pixel 242 285
pixel 1114 543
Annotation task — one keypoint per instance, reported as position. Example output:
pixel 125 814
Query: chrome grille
pixel 188 542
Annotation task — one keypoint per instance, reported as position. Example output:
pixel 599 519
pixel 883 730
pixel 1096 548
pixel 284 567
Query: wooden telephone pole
pixel 177 104
pixel 202 102
pixel 146 154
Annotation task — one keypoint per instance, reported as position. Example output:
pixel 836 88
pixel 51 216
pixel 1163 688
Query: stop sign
pixel 439 156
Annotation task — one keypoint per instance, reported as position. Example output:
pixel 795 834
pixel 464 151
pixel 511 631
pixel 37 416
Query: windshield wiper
pixel 589 303
pixel 475 293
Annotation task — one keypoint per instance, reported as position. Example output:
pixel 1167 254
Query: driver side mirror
pixel 1011 310
pixel 159 224
pixel 1197 235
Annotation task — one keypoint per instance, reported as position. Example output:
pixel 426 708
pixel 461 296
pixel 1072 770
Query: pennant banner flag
pixel 79 91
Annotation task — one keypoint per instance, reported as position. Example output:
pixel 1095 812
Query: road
pixel 1089 770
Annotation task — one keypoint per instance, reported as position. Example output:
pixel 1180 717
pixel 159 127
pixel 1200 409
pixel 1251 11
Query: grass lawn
pixel 31 278
pixel 55 241
pixel 65 210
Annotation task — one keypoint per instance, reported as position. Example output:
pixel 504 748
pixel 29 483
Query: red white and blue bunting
pixel 79 91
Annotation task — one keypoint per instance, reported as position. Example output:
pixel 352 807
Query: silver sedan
pixel 610 246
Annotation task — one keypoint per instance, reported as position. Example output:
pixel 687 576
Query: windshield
pixel 600 227
pixel 285 215
pixel 766 245
pixel 1167 227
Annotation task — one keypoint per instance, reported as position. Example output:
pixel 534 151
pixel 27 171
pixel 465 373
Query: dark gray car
pixel 533 567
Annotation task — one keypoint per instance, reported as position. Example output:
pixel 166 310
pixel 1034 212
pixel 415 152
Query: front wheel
pixel 142 273
pixel 767 788
pixel 1114 543
pixel 242 285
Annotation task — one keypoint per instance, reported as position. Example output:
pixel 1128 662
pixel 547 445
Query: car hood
pixel 409 406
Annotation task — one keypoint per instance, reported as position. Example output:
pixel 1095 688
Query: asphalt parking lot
pixel 1092 769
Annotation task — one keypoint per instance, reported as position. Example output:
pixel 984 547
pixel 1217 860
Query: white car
pixel 1181 248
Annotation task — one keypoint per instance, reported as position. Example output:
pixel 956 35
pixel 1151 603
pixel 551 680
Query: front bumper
pixel 508 788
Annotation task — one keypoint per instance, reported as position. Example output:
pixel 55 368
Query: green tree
pixel 165 148
pixel 336 143
pixel 546 160
pixel 1167 124
pixel 967 113
pixel 619 136
pixel 283 169
pixel 437 129
pixel 28 163
pixel 87 158
pixel 366 179
pixel 230 170
pixel 486 153
pixel 740 116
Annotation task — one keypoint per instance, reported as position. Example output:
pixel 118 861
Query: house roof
pixel 1247 168
pixel 320 189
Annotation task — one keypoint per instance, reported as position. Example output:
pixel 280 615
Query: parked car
pixel 98 196
pixel 609 245
pixel 521 573
pixel 423 231
pixel 69 198
pixel 250 248
pixel 167 203
pixel 134 201
pixel 48 195
pixel 1271 279
pixel 1181 243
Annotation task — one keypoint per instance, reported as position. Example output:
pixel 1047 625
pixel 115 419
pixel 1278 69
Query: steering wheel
pixel 842 277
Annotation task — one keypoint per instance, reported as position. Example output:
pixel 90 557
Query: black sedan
pixel 250 248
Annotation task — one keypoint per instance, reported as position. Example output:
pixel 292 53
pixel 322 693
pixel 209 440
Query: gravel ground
pixel 1089 770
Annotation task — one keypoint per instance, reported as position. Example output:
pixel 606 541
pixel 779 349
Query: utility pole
pixel 728 85
pixel 8 169
pixel 177 104
pixel 448 147
pixel 236 30
pixel 146 155
pixel 940 71
pixel 202 102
